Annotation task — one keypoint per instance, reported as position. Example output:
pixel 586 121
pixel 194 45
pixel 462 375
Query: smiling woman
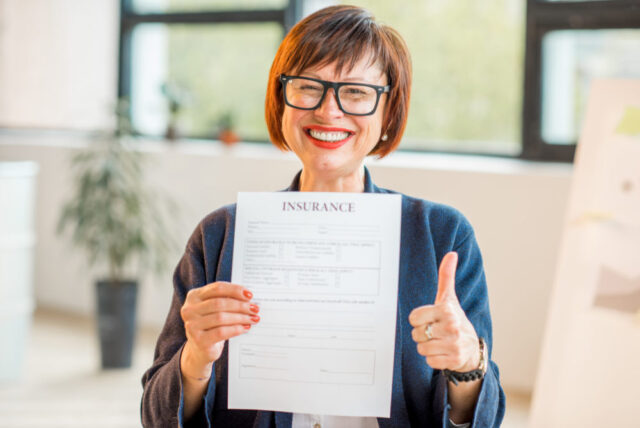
pixel 319 136
pixel 340 53
pixel 338 91
pixel 332 84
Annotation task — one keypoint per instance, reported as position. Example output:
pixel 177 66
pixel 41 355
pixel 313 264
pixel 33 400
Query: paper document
pixel 324 269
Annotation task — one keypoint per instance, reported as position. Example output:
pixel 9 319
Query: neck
pixel 353 182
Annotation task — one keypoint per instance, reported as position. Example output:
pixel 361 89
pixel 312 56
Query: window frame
pixel 543 17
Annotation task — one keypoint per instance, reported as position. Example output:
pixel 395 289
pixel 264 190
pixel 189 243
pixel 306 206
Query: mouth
pixel 328 138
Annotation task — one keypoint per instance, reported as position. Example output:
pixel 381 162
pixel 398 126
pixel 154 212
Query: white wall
pixel 516 207
pixel 58 63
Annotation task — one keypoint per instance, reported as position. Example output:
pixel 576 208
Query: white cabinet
pixel 17 240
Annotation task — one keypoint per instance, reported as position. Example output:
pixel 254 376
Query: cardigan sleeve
pixel 163 399
pixel 471 289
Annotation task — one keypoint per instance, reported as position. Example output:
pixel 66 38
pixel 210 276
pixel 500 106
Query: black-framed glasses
pixel 306 93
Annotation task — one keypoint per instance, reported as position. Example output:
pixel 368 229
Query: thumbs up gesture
pixel 443 333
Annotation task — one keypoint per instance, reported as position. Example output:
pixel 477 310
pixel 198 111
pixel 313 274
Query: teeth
pixel 328 136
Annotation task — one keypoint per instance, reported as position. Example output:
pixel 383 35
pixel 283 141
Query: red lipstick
pixel 327 144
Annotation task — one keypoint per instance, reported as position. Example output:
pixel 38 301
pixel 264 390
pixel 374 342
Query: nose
pixel 329 108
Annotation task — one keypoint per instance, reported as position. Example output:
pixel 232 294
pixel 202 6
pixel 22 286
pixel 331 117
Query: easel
pixel 590 367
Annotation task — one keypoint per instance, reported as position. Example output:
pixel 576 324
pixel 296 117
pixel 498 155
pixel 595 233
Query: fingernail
pixel 248 294
pixel 254 308
pixel 255 318
pixel 246 326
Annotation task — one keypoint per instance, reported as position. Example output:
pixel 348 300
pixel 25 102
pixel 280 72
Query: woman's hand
pixel 453 342
pixel 212 314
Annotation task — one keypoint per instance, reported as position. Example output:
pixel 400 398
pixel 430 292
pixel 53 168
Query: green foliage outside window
pixel 224 68
pixel 468 60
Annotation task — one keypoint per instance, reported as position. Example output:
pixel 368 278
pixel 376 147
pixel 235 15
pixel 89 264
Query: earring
pixel 385 137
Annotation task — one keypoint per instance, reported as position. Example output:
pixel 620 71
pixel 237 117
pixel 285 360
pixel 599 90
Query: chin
pixel 332 164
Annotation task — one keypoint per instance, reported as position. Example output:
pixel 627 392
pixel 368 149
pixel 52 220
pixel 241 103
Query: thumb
pixel 447 278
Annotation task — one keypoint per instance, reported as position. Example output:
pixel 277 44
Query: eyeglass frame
pixel 336 87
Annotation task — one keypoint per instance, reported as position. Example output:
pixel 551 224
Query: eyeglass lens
pixel 356 99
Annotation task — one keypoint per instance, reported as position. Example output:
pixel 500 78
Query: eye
pixel 355 91
pixel 310 87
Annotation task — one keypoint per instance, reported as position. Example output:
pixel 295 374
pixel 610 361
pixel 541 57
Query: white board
pixel 590 364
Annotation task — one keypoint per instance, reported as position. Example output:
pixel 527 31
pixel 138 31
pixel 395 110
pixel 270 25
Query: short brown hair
pixel 342 35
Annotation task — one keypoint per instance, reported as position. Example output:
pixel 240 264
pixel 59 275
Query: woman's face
pixel 330 143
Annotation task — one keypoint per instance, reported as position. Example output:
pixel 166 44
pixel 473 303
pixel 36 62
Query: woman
pixel 338 91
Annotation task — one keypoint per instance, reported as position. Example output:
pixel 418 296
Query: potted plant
pixel 114 217
pixel 177 98
pixel 226 129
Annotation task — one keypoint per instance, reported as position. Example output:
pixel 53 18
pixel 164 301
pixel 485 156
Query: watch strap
pixel 472 375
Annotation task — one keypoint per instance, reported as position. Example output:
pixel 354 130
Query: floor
pixel 63 387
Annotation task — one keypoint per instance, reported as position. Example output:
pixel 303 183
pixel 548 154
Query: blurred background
pixel 499 93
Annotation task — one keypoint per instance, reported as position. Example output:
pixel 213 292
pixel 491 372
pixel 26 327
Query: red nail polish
pixel 246 326
pixel 254 308
pixel 255 318
pixel 248 294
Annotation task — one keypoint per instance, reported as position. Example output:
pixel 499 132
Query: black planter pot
pixel 116 322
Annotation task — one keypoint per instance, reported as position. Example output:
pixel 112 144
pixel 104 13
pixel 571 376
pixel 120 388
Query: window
pixel 570 60
pixel 181 69
pixel 570 43
pixel 467 72
pixel 181 64
pixel 499 77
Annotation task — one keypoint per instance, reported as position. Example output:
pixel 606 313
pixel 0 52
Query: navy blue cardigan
pixel 419 397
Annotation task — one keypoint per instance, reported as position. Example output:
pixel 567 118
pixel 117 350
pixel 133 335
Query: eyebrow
pixel 357 79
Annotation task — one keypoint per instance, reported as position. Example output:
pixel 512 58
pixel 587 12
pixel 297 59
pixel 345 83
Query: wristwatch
pixel 472 375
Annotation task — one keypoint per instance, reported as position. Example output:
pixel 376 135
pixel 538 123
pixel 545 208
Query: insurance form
pixel 324 269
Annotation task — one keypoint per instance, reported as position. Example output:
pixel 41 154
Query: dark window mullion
pixel 531 141
pixel 229 16
pixel 585 15
pixel 124 52
pixel 292 13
